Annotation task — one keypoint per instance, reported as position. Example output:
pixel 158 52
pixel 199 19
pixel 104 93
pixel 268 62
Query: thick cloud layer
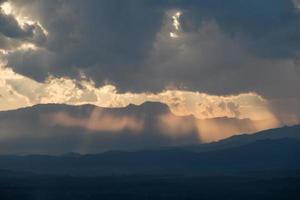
pixel 106 39
pixel 215 46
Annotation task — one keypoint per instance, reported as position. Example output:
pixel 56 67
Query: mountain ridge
pixel 263 155
pixel 58 129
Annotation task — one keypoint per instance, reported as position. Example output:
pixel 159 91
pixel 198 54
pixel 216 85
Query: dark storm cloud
pixel 107 39
pixel 270 27
pixel 225 47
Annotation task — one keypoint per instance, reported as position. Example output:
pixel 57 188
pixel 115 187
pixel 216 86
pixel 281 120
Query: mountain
pixel 59 129
pixel 274 151
pixel 264 165
pixel 263 155
pixel 286 132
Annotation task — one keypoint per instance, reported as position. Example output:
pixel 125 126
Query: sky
pixel 234 58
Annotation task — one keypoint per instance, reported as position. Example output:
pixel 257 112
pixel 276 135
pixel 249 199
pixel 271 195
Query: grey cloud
pixel 12 34
pixel 224 48
pixel 33 63
pixel 10 27
pixel 107 39
pixel 270 28
pixel 210 61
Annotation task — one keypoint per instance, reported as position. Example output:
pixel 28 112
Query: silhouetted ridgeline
pixel 269 155
pixel 58 129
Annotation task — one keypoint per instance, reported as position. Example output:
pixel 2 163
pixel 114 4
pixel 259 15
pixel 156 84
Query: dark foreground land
pixel 148 187
pixel 262 166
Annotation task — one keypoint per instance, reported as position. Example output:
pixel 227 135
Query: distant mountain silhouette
pixel 292 132
pixel 59 129
pixel 262 155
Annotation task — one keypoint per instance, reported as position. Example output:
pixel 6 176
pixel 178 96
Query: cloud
pixel 115 36
pixel 219 44
pixel 213 62
pixel 259 25
pixel 16 31
pixel 11 28
pixel 20 91
pixel 225 54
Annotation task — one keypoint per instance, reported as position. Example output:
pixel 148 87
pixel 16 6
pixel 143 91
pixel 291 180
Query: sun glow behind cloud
pixel 175 23
pixel 20 91
pixel 25 27
pixel 6 8
pixel 23 20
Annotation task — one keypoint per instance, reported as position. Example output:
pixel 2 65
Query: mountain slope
pixel 58 129
pixel 263 155
pixel 292 132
